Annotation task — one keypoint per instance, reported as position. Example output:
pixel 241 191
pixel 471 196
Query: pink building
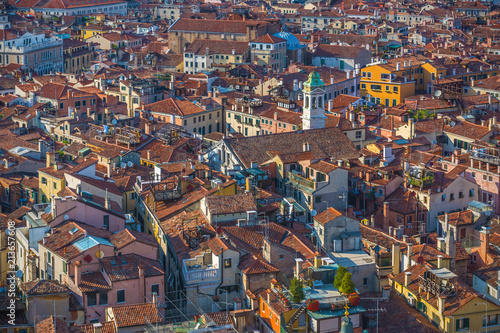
pixel 71 207
pixel 121 280
pixel 484 170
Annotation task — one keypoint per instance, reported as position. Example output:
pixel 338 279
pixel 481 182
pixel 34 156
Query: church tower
pixel 313 111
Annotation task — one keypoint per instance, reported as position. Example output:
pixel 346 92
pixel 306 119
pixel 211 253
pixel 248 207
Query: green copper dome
pixel 313 82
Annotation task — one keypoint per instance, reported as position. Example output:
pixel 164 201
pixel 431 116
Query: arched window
pixel 307 102
pixel 320 102
pixel 210 128
pixel 203 130
pixel 194 130
pixel 313 103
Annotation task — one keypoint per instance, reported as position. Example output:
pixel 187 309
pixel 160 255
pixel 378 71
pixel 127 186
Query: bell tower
pixel 313 111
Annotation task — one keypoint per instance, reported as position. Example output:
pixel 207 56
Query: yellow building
pixel 92 29
pixel 50 179
pixel 452 306
pixel 389 83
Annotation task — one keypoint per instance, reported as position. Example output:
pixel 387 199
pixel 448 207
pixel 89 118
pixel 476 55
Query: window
pixel 443 197
pixel 92 299
pixel 358 134
pixel 105 222
pixel 282 256
pixel 103 298
pixel 61 105
pixel 227 263
pixel 65 267
pixel 77 104
pixel 317 199
pixel 376 87
pixel 365 282
pixel 473 174
pixel 490 178
pixel 460 195
pixel 44 181
pixel 490 320
pixel 395 89
pixel 155 289
pixel 452 196
pixel 471 192
pixel 120 296
pixel 55 185
pixel 462 324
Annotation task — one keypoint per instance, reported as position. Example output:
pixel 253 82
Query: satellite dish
pixel 314 212
pixel 66 217
pixel 151 118
pixel 99 254
pixel 434 142
pixel 19 274
pixel 47 210
pixel 438 93
pixel 114 121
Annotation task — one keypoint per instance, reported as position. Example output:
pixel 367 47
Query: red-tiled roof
pixel 135 315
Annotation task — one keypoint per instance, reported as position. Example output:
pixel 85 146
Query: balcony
pixel 297 179
pixel 383 271
pixel 484 155
pixel 34 47
pixel 196 272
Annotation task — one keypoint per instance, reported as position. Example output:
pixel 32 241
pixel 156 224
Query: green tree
pixel 297 290
pixel 347 287
pixel 339 276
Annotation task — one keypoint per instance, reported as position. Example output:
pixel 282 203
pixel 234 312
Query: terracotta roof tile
pixel 135 315
pixel 231 204
pixel 327 215
pixel 126 267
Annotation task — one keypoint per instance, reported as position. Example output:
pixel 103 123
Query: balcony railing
pixel 482 155
pixel 383 271
pixel 34 47
pixel 298 179
pixel 194 273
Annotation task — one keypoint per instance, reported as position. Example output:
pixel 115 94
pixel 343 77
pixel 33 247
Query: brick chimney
pixel 51 159
pixel 407 278
pixel 485 244
pixel 142 285
pixel 78 273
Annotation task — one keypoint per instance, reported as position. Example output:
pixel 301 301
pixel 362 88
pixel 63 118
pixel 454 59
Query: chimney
pixel 142 284
pixel 407 278
pixel 317 260
pixel 409 252
pixel 440 244
pixel 50 159
pixel 298 266
pixel 78 273
pixel 396 264
pixel 332 80
pixel 441 303
pixel 372 221
pixel 107 201
pixel 148 154
pixel 485 244
pixel 440 261
pixel 268 296
pixel 398 66
pixel 108 169
pixel 411 127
